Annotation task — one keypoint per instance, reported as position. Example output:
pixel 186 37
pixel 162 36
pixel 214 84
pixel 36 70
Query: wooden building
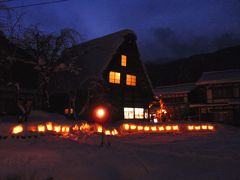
pixel 220 97
pixel 110 73
pixel 176 99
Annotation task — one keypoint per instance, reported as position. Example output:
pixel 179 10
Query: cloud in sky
pixel 165 28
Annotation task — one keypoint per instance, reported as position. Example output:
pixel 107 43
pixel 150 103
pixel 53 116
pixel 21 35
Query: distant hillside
pixel 190 69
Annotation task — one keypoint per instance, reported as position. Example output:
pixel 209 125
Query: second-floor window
pixel 114 77
pixel 131 80
pixel 124 60
pixel 222 92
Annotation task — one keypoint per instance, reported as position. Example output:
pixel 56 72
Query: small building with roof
pixel 110 73
pixel 220 97
pixel 176 99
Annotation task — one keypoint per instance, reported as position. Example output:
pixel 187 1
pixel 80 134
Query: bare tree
pixel 46 49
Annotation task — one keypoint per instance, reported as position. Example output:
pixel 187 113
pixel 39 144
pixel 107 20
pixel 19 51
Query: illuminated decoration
pixel 161 128
pixel 126 127
pixel 168 128
pixel 162 111
pixel 190 128
pixel 128 113
pixel 114 132
pixel 132 127
pixel 154 128
pixel 107 132
pixel 75 127
pixel 197 128
pixel 99 129
pixel 84 127
pixel 41 128
pixel 146 128
pixel 57 128
pixel 140 128
pixel 65 129
pixel 131 80
pixel 200 127
pixel 49 126
pixel 124 60
pixel 114 77
pixel 210 127
pixel 17 129
pixel 175 128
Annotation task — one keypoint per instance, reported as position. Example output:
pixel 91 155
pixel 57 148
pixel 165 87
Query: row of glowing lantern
pixel 64 129
pixel 164 128
pixel 95 128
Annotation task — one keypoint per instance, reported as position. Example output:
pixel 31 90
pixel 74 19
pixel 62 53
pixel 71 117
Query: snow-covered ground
pixel 186 155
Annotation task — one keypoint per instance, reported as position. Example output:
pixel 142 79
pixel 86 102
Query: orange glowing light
pixel 41 128
pixel 197 128
pixel 146 128
pixel 100 113
pixel 190 128
pixel 140 128
pixel 107 132
pixel 75 128
pixel 204 127
pixel 85 127
pixel 65 129
pixel 168 128
pixel 133 127
pixel 126 126
pixel 161 128
pixel 99 129
pixel 17 129
pixel 49 126
pixel 175 128
pixel 114 132
pixel 154 128
pixel 57 128
pixel 210 127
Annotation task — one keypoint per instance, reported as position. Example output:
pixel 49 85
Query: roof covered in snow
pixel 93 56
pixel 217 77
pixel 174 89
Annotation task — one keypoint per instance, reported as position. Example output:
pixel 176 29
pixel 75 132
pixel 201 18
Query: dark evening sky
pixel 165 28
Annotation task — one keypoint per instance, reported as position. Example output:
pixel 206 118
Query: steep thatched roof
pixel 93 56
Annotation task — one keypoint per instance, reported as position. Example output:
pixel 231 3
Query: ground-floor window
pixel 128 113
pixel 134 113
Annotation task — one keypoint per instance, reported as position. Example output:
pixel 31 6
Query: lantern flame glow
pixel 17 129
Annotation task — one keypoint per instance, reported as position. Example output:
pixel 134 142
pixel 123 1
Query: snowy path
pixel 152 156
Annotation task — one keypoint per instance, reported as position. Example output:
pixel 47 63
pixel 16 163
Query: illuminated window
pixel 114 77
pixel 131 113
pixel 123 60
pixel 128 113
pixel 131 80
pixel 139 113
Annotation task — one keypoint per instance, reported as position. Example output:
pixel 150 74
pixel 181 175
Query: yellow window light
pixel 124 60
pixel 114 77
pixel 131 80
